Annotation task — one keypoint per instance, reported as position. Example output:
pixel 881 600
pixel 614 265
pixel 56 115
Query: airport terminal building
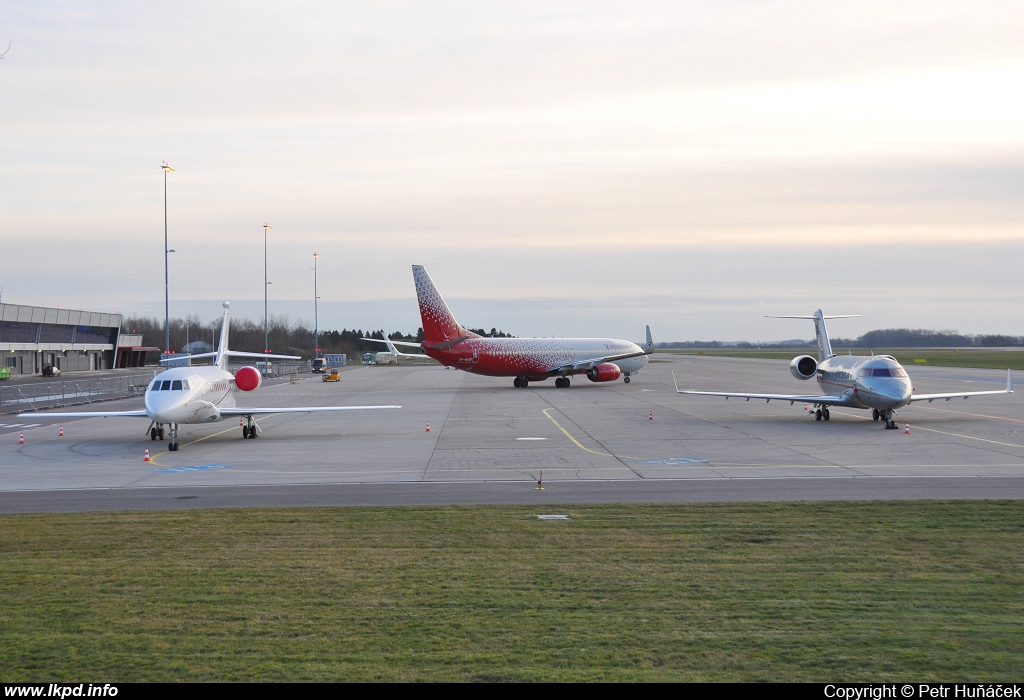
pixel 33 336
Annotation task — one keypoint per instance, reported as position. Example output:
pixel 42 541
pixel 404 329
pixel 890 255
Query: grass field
pixel 816 591
pixel 988 359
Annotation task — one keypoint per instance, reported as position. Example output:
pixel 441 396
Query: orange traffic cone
pixel 906 431
pixel 61 431
pixel 241 423
pixel 805 407
pixel 428 426
pixel 146 459
pixel 652 416
pixel 21 439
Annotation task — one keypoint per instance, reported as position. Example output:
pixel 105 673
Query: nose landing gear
pixel 173 447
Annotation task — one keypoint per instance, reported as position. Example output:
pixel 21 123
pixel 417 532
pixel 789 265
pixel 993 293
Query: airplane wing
pixel 584 365
pixel 964 395
pixel 236 411
pixel 85 414
pixel 394 342
pixel 820 399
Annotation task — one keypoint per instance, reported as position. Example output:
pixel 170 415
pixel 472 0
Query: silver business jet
pixel 185 395
pixel 877 382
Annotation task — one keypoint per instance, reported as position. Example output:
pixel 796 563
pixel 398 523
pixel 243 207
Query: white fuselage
pixel 865 382
pixel 189 395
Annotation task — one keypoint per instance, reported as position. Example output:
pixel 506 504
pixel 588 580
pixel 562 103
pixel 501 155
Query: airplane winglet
pixel 650 340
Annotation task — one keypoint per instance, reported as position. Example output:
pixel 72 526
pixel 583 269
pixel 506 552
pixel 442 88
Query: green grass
pixel 837 591
pixel 980 358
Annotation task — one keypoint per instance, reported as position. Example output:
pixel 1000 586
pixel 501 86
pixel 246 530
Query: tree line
pixel 285 338
pixel 887 338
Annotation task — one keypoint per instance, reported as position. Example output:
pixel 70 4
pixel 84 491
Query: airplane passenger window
pixel 176 385
pixel 166 385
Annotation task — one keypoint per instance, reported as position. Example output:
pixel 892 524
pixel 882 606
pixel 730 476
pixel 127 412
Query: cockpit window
pixel 184 384
pixel 156 385
pixel 883 372
pixel 166 385
pixel 176 385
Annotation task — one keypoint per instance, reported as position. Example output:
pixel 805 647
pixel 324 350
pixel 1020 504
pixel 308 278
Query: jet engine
pixel 803 367
pixel 608 372
pixel 248 379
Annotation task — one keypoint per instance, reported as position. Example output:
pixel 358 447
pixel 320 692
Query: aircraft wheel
pixel 566 383
pixel 245 432
pixel 825 414
pixel 626 380
pixel 160 434
pixel 152 433
pixel 874 414
pixel 817 414
pixel 173 447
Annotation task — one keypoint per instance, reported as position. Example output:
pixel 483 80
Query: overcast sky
pixel 560 168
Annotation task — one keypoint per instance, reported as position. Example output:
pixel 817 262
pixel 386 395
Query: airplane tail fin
pixel 824 346
pixel 439 324
pixel 649 346
pixel 222 349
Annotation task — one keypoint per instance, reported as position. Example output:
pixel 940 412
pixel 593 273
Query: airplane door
pixel 476 354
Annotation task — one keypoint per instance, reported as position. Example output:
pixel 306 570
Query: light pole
pixel 316 315
pixel 266 318
pixel 167 294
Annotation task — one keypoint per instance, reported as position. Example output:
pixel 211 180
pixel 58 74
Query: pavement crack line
pixel 621 459
pixel 433 450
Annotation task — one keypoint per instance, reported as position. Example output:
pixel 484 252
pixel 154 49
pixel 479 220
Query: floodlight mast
pixel 167 295
pixel 266 318
pixel 316 311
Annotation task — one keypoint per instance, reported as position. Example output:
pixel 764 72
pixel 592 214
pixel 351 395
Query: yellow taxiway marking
pixel 968 437
pixel 577 442
pixel 152 458
pixel 966 413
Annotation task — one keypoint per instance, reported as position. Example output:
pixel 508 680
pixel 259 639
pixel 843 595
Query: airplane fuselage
pixel 189 395
pixel 878 382
pixel 534 358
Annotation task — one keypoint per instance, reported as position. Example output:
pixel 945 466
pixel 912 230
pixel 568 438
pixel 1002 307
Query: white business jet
pixel 184 395
pixel 877 382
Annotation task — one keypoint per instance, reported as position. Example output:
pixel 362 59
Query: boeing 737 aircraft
pixel 526 359
pixel 203 395
pixel 877 382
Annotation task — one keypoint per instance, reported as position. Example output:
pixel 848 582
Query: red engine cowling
pixel 607 372
pixel 803 367
pixel 248 379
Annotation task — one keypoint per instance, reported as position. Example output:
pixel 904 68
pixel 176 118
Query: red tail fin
pixel 439 324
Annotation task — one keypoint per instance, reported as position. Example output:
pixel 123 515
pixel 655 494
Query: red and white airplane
pixel 526 359
pixel 185 395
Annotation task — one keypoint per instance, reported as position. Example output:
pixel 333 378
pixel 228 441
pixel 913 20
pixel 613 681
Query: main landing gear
pixel 521 383
pixel 821 414
pixel 249 429
pixel 887 416
pixel 562 383
pixel 156 432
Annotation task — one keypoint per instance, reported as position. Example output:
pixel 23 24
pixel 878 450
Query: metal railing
pixel 71 392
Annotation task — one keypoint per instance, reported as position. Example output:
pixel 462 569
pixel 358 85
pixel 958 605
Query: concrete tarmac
pixel 490 443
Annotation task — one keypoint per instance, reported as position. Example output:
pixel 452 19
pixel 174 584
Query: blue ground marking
pixel 196 468
pixel 675 460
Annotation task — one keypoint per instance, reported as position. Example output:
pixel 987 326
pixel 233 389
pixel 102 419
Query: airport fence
pixel 72 392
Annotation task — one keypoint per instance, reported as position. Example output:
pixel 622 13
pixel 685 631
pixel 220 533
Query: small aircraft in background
pixel 189 395
pixel 526 359
pixel 877 382
pixel 396 352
